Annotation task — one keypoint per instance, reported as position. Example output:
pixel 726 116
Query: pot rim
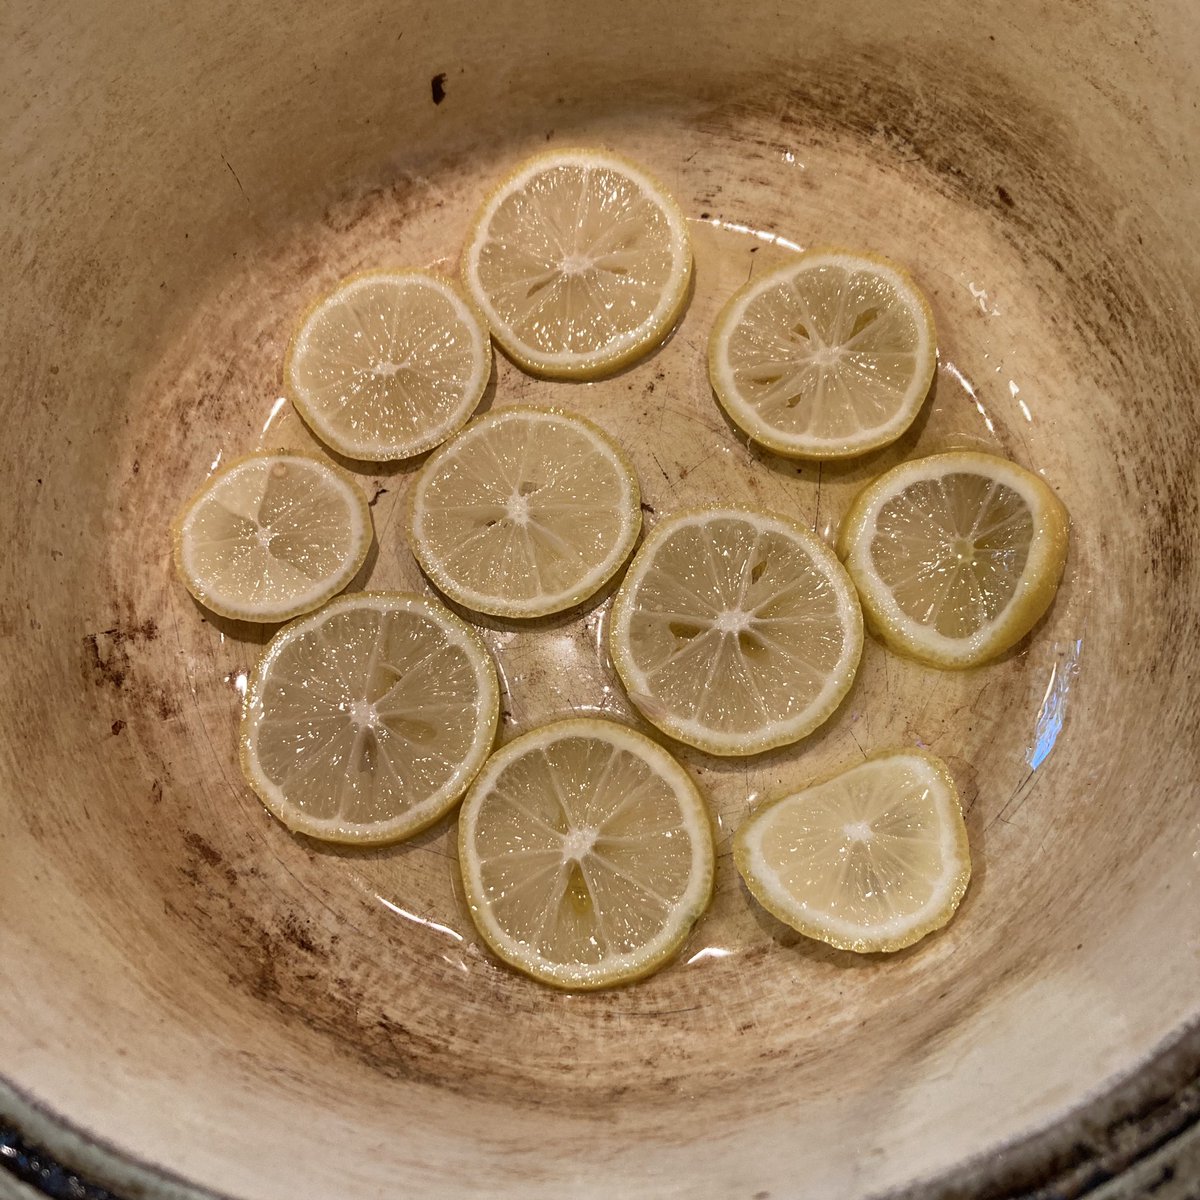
pixel 1098 1140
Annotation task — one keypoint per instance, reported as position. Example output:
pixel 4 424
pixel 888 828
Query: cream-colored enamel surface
pixel 269 1018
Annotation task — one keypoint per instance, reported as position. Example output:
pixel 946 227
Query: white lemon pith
pixel 526 512
pixel 956 556
pixel 871 860
pixel 388 365
pixel 272 536
pixel 829 356
pixel 366 721
pixel 735 630
pixel 580 263
pixel 586 854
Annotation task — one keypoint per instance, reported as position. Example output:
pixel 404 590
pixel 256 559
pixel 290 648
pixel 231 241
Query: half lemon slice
pixel 586 854
pixel 735 630
pixel 388 365
pixel 827 357
pixel 526 512
pixel 366 721
pixel 956 556
pixel 873 859
pixel 272 536
pixel 580 263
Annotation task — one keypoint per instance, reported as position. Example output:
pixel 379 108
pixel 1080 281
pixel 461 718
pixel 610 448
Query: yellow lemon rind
pixel 598 364
pixel 810 448
pixel 421 816
pixel 690 732
pixel 794 916
pixel 494 604
pixel 393 451
pixel 633 967
pixel 360 513
pixel 1035 591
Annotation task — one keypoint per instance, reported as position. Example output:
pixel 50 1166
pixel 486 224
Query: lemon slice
pixel 956 556
pixel 873 859
pixel 828 357
pixel 388 365
pixel 580 263
pixel 526 512
pixel 735 631
pixel 366 721
pixel 586 854
pixel 271 536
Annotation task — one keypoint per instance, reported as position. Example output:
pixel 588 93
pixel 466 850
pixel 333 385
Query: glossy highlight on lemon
pixel 526 512
pixel 828 357
pixel 956 556
pixel 586 854
pixel 871 860
pixel 580 263
pixel 388 365
pixel 272 536
pixel 735 630
pixel 365 722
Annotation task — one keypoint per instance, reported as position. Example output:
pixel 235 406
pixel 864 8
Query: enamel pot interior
pixel 194 999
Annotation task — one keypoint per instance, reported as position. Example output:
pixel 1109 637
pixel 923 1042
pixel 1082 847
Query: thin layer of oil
pixel 993 392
